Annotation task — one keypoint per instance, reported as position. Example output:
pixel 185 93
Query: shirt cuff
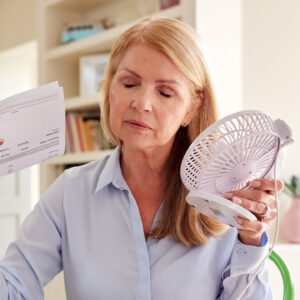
pixel 246 258
pixel 264 239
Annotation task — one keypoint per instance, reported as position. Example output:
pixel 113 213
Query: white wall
pixel 254 48
pixel 18 69
pixel 17 22
pixel 271 83
pixel 220 24
pixel 271 65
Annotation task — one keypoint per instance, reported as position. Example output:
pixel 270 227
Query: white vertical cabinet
pixel 9 218
pixel 18 191
pixel 15 203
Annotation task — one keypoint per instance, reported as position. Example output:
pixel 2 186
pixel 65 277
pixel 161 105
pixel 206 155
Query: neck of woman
pixel 144 169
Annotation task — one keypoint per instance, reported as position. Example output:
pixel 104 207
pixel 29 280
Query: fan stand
pixel 218 208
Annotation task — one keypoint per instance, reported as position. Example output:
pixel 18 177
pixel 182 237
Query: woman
pixel 120 227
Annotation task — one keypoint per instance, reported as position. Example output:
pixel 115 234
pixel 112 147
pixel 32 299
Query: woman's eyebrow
pixel 158 81
pixel 132 72
pixel 168 81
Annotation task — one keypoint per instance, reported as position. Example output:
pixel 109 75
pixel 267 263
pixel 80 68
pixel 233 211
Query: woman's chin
pixel 145 145
pixel 139 145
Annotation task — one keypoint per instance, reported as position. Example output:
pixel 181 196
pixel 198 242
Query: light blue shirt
pixel 88 224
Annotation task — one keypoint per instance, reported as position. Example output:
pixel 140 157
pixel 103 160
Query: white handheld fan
pixel 224 157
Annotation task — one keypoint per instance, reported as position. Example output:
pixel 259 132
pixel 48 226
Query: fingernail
pixel 256 183
pixel 227 195
pixel 237 200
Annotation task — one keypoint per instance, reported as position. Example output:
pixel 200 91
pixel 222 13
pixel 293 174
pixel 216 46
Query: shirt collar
pixel 112 173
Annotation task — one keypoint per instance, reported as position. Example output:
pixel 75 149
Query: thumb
pixel 1 141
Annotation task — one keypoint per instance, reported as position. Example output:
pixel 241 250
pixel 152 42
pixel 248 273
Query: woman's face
pixel 149 99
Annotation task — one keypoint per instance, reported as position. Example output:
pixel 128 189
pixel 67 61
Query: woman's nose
pixel 143 100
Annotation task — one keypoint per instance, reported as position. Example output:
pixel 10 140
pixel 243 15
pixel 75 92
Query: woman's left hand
pixel 259 200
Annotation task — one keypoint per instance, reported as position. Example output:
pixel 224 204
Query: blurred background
pixel 254 51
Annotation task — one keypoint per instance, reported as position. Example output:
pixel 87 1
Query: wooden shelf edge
pixel 79 103
pixel 49 3
pixel 103 41
pixel 71 3
pixel 78 158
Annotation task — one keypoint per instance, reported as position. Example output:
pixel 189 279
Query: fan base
pixel 218 208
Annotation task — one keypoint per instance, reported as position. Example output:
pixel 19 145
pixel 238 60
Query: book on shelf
pixel 84 132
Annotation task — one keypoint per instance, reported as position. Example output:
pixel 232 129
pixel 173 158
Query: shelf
pixel 82 103
pixel 78 158
pixel 75 5
pixel 52 3
pixel 101 42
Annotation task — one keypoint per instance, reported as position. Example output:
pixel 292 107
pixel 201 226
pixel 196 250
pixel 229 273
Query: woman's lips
pixel 137 125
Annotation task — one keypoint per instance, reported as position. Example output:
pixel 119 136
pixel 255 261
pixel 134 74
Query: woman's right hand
pixel 1 141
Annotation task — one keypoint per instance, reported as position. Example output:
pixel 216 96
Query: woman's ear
pixel 195 106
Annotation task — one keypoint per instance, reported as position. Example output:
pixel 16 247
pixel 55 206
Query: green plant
pixel 293 187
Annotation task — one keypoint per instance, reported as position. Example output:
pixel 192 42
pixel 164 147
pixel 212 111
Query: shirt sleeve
pixel 244 262
pixel 35 257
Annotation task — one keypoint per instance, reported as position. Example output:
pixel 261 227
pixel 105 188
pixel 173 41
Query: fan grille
pixel 231 152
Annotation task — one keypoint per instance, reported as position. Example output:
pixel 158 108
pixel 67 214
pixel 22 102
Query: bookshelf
pixel 61 62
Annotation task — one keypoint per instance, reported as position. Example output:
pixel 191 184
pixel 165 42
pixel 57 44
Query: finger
pixel 254 226
pixel 266 184
pixel 255 207
pixel 1 142
pixel 255 195
pixel 271 201
pixel 271 193
pixel 268 217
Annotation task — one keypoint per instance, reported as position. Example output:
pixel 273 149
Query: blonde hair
pixel 182 45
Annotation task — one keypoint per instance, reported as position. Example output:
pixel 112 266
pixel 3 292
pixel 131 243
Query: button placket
pixel 144 284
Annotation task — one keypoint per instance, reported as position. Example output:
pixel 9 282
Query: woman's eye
pixel 166 92
pixel 128 86
pixel 166 95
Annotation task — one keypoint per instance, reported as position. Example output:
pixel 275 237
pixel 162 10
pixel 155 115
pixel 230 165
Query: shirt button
pixel 241 252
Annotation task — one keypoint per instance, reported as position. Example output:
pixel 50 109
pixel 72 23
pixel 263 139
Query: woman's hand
pixel 259 201
pixel 1 141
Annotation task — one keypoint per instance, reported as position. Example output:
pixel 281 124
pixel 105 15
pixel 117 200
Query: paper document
pixel 32 125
